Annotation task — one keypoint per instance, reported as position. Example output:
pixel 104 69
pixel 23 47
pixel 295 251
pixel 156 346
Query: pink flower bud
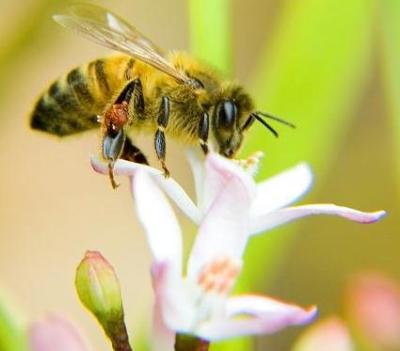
pixel 98 288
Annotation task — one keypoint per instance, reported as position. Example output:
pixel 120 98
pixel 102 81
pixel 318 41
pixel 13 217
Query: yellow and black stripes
pixel 72 103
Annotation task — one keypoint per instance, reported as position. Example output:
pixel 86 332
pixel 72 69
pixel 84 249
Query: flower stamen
pixel 219 276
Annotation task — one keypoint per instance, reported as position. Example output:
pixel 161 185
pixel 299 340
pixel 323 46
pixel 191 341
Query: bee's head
pixel 231 117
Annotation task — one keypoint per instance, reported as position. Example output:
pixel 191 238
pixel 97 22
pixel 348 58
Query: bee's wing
pixel 107 29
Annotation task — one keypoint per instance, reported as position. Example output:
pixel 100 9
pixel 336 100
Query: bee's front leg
pixel 159 139
pixel 204 127
pixel 115 144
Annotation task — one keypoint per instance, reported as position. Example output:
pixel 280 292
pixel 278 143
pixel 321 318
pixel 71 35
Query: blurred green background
pixel 330 67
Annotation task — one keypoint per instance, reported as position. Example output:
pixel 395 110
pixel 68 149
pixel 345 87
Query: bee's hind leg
pixel 133 153
pixel 204 127
pixel 159 139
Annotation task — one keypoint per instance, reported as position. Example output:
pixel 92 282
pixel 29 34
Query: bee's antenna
pixel 265 124
pixel 277 119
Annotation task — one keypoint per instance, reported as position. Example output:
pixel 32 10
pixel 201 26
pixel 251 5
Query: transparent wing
pixel 107 29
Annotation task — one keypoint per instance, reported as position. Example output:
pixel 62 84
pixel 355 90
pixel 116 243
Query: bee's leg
pixel 138 96
pixel 159 139
pixel 133 153
pixel 132 89
pixel 112 147
pixel 204 126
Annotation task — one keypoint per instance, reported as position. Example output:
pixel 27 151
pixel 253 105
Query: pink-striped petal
pixel 223 233
pixel 218 172
pixel 255 315
pixel 169 185
pixel 175 307
pixel 266 222
pixel 282 189
pixel 329 335
pixel 55 333
pixel 158 220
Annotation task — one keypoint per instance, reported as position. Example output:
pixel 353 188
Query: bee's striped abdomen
pixel 72 103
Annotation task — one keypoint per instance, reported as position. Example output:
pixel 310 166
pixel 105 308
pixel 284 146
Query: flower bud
pixel 98 288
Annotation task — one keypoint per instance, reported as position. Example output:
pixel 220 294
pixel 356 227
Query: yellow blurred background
pixel 53 207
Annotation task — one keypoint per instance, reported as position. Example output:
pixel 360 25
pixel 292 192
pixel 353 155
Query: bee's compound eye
pixel 227 113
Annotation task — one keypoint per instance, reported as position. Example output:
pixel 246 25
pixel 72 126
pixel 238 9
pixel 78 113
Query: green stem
pixel 185 342
pixel 118 335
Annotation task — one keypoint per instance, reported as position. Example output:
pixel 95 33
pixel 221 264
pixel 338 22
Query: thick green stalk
pixel 390 34
pixel 210 32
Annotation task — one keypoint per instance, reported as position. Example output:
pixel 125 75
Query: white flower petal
pixel 274 219
pixel 173 302
pixel 158 219
pixel 122 167
pixel 251 315
pixel 169 185
pixel 219 171
pixel 198 171
pixel 55 333
pixel 224 230
pixel 180 197
pixel 282 189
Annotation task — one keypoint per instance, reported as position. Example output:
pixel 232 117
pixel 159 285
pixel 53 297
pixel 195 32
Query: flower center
pixel 219 276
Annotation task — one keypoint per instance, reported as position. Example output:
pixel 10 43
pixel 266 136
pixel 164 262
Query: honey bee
pixel 142 89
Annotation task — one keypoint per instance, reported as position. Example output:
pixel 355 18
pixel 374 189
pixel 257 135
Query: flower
pixel 330 334
pixel 198 303
pixel 55 333
pixel 230 208
pixel 373 308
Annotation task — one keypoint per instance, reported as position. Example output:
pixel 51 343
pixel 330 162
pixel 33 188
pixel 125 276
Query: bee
pixel 142 89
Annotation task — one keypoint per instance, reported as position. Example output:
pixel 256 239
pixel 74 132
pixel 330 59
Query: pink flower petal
pixel 374 309
pixel 224 230
pixel 219 171
pixel 274 219
pixel 55 333
pixel 198 171
pixel 252 315
pixel 174 306
pixel 169 185
pixel 158 219
pixel 163 336
pixel 282 189
pixel 329 335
